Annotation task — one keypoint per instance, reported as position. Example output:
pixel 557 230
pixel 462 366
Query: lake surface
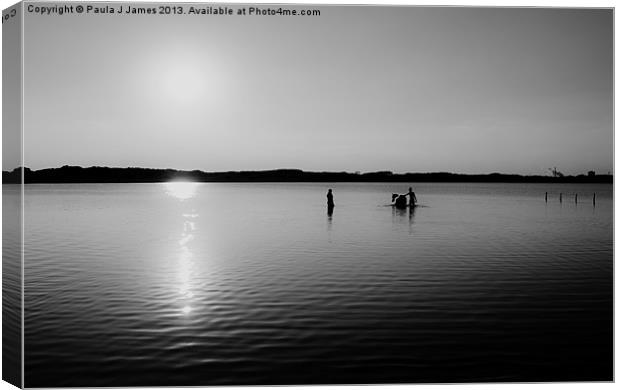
pixel 245 283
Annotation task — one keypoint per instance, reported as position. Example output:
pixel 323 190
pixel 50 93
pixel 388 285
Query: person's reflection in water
pixel 411 218
pixel 330 212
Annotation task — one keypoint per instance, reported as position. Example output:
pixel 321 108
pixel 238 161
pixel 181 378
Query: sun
pixel 181 79
pixel 182 83
pixel 177 80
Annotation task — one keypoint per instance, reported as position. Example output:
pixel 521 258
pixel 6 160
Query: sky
pixel 11 94
pixel 405 89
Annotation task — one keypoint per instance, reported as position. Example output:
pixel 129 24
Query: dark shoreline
pixel 75 174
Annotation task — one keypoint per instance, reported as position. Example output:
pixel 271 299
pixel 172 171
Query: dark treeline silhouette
pixel 75 174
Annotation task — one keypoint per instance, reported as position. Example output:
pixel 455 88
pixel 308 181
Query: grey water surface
pixel 254 283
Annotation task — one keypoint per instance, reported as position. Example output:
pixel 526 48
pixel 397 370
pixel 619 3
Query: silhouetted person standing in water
pixel 412 199
pixel 330 201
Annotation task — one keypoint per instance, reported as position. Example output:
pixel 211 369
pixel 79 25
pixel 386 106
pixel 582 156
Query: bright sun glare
pixel 184 83
pixel 180 82
pixel 181 190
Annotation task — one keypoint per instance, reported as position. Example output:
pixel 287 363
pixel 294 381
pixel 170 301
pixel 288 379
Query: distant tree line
pixel 76 174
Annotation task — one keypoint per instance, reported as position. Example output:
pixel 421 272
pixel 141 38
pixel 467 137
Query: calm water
pixel 199 284
pixel 11 285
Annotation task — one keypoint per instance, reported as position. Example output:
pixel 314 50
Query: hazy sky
pixel 11 94
pixel 356 89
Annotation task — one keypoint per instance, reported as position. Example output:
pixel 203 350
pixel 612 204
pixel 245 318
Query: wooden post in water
pixel 545 197
pixel 575 198
pixel 560 197
pixel 594 199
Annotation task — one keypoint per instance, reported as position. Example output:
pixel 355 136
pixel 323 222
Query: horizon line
pixel 381 171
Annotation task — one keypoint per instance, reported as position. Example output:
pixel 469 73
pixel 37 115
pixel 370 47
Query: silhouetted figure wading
pixel 412 199
pixel 400 201
pixel 330 201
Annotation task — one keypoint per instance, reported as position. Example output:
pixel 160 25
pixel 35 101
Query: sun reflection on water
pixel 184 275
pixel 181 190
pixel 185 261
pixel 186 309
